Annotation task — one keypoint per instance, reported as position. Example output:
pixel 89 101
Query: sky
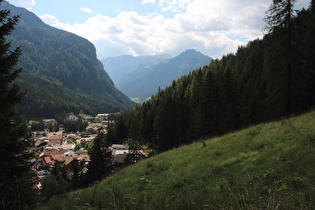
pixel 152 27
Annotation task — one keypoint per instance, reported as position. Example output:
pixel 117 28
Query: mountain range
pixel 61 72
pixel 117 67
pixel 141 77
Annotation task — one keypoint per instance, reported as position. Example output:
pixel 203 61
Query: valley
pixel 143 76
pixel 236 132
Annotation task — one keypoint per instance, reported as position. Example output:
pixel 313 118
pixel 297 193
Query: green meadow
pixel 267 166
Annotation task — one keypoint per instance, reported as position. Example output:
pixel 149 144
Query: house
pixel 102 116
pixel 43 160
pixel 95 129
pixel 69 153
pixel 80 151
pixel 87 119
pixel 55 138
pixel 49 121
pixel 51 151
pixel 84 158
pixel 72 137
pixel 47 159
pixel 119 159
pixel 63 161
pixel 86 140
pixel 107 122
pixel 118 147
pixel 40 142
pixel 72 117
pixel 56 156
pixel 91 129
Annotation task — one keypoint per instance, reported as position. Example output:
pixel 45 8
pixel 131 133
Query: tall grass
pixel 268 166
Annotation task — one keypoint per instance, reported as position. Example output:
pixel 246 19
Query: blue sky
pixel 150 27
pixel 78 11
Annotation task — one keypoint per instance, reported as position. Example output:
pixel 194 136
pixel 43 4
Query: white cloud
pixel 215 28
pixel 174 6
pixel 87 10
pixel 244 17
pixel 28 4
pixel 54 21
pixel 131 33
pixel 147 1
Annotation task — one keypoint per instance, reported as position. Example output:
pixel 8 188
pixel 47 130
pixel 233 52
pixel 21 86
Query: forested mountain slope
pixel 61 72
pixel 147 79
pixel 266 80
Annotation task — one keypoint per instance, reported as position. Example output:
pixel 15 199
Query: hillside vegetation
pixel 267 166
pixel 264 80
pixel 60 71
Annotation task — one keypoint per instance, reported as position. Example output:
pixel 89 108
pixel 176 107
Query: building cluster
pixel 58 150
pixel 68 150
pixel 64 150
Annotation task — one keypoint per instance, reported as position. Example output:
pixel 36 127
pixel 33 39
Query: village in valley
pixel 67 150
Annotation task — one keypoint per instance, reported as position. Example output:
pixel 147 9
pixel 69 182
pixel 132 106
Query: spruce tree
pixel 15 181
pixel 279 25
pixel 100 164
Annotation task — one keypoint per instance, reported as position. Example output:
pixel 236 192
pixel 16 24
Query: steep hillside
pixel 146 80
pixel 61 72
pixel 268 166
pixel 117 67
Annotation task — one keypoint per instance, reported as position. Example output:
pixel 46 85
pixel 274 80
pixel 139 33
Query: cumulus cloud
pixel 131 33
pixel 87 10
pixel 28 4
pixel 215 28
pixel 54 21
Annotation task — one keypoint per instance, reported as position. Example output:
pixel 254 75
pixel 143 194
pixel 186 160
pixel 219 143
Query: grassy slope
pixel 266 166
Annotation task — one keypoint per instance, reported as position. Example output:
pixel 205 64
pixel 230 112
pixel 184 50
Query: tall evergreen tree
pixel 204 110
pixel 15 181
pixel 279 24
pixel 100 164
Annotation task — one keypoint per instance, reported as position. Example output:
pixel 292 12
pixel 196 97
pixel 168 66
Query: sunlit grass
pixel 267 166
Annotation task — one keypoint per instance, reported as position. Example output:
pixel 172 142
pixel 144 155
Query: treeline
pixel 74 125
pixel 69 126
pixel 265 80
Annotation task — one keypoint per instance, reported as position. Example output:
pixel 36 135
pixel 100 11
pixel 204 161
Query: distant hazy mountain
pixel 117 67
pixel 144 81
pixel 61 72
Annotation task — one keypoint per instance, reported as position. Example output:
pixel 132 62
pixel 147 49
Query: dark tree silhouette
pixel 15 185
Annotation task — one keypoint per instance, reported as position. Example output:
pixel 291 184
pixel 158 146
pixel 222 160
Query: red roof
pixel 47 159
pixel 56 156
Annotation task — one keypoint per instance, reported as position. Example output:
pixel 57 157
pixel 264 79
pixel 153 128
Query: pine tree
pixel 15 181
pixel 279 24
pixel 204 110
pixel 100 164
